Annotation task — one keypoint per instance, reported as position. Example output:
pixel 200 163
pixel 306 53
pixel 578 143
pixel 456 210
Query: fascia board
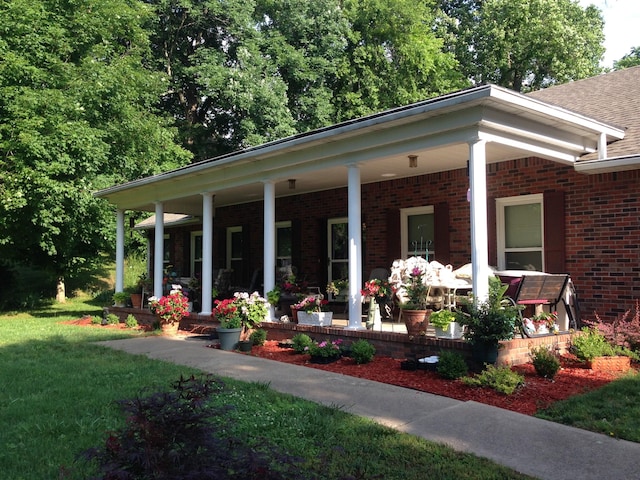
pixel 617 164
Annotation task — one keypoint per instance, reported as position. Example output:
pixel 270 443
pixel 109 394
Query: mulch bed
pixel 537 393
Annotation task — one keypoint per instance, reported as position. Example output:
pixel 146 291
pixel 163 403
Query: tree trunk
pixel 60 291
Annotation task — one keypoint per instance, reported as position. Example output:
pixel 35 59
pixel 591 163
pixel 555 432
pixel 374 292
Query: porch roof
pixel 437 130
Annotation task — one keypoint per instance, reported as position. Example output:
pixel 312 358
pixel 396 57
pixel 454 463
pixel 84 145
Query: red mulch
pixel 537 393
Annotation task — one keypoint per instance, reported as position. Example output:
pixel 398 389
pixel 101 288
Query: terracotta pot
pixel 610 364
pixel 136 300
pixel 416 321
pixel 169 328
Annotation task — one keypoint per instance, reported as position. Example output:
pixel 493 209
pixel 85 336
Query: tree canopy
pixel 525 44
pixel 631 59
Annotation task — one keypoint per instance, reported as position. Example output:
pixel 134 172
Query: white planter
pixel 321 319
pixel 453 331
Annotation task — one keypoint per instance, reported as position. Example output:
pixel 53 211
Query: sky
pixel 621 27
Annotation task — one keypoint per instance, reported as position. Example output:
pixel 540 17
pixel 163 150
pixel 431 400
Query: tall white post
pixel 355 248
pixel 479 231
pixel 158 251
pixel 269 254
pixel 207 252
pixel 119 250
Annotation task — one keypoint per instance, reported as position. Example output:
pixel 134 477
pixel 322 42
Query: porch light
pixel 292 183
pixel 413 161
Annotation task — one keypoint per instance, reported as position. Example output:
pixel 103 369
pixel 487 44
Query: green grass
pixel 613 409
pixel 59 391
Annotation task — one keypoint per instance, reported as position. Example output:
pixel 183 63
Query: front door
pixel 338 250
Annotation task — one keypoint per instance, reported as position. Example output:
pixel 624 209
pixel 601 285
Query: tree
pixel 76 114
pixel 631 59
pixel 525 44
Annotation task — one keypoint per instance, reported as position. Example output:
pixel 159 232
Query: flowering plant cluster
pixel 417 290
pixel 289 286
pixel 548 319
pixel 378 289
pixel 312 303
pixel 337 286
pixel 325 349
pixel 170 308
pixel 244 311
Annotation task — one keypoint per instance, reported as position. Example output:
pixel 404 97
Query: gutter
pixel 616 164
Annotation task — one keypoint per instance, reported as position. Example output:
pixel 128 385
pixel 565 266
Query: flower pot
pixel 229 338
pixel 323 360
pixel 169 328
pixel 485 352
pixel 245 345
pixel 610 364
pixel 374 320
pixel 136 300
pixel 452 331
pixel 416 321
pixel 321 319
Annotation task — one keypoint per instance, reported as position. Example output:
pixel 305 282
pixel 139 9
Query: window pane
pixel 283 242
pixel 420 233
pixel 524 261
pixel 523 226
pixel 236 245
pixel 339 241
pixel 197 247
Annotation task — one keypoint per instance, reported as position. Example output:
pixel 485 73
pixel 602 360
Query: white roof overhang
pixel 438 131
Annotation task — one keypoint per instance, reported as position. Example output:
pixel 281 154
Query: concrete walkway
pixel 529 445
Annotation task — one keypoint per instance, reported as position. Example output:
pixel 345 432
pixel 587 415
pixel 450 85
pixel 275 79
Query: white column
pixel 119 250
pixel 158 250
pixel 355 249
pixel 479 231
pixel 207 252
pixel 269 254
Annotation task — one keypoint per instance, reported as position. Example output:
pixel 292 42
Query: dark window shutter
pixel 247 269
pixel 220 241
pixel 296 243
pixel 394 249
pixel 441 234
pixel 554 232
pixel 492 231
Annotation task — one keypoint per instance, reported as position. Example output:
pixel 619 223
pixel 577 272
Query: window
pixel 196 254
pixel 283 244
pixel 166 250
pixel 520 233
pixel 417 232
pixel 234 248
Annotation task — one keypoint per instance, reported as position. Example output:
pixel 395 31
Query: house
pixel 546 181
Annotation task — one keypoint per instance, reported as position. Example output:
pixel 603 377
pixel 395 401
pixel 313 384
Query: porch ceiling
pixel 437 131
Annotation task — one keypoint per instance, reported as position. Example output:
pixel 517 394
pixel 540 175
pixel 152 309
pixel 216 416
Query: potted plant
pixel 412 290
pixel 592 347
pixel 120 299
pixel 339 289
pixel 377 291
pixel 238 316
pixel 488 323
pixel 445 324
pixel 170 309
pixel 286 293
pixel 311 311
pixel 143 285
pixel 325 351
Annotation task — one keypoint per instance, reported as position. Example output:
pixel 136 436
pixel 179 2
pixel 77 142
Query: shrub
pixel 451 365
pixel 501 379
pixel 131 321
pixel 593 344
pixel 362 351
pixel 112 319
pixel 258 337
pixel 545 361
pixel 180 434
pixel 301 342
pixel 96 320
pixel 624 331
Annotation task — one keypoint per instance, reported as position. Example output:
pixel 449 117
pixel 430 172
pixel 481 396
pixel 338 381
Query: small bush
pixel 545 361
pixel 179 434
pixel 362 351
pixel 258 337
pixel 501 379
pixel 96 320
pixel 301 342
pixel 451 365
pixel 112 319
pixel 131 321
